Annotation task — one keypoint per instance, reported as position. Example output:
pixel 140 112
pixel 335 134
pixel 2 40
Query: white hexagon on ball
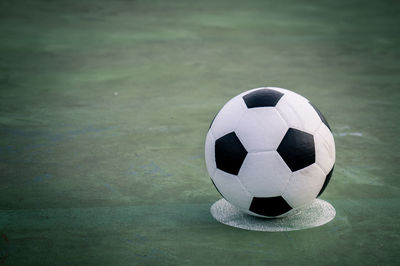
pixel 269 151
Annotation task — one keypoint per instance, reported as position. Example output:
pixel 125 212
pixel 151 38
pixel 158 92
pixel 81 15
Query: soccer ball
pixel 269 151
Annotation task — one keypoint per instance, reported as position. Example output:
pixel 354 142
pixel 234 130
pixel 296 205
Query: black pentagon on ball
pixel 229 153
pixel 326 182
pixel 273 206
pixel 262 98
pixel 321 116
pixel 297 149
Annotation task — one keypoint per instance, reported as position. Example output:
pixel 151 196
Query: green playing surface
pixel 104 108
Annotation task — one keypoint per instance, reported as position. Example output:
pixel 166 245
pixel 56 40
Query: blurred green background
pixel 104 108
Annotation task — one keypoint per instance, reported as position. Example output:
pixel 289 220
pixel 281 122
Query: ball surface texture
pixel 269 151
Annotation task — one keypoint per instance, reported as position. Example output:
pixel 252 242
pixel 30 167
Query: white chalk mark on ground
pixel 315 214
pixel 343 134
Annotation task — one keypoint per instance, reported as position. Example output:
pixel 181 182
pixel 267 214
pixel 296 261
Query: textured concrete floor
pixel 104 107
